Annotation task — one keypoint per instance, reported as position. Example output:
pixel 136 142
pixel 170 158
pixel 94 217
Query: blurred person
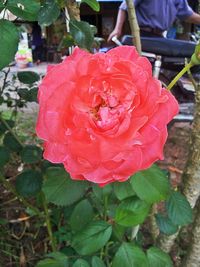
pixel 36 43
pixel 155 16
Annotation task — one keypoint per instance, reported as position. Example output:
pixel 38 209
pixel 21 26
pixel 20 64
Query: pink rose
pixel 103 115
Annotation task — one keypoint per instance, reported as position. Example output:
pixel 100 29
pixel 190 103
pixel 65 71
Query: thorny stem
pixel 11 131
pixel 179 75
pixel 11 189
pixel 48 223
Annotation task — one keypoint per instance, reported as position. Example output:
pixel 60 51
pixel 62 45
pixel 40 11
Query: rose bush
pixel 103 115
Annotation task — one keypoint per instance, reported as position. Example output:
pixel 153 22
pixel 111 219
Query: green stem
pixel 11 131
pixel 179 75
pixel 11 189
pixel 105 207
pixel 48 223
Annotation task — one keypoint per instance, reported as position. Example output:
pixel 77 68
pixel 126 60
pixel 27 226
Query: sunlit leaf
pixel 48 12
pixel 151 185
pixel 129 255
pixel 9 37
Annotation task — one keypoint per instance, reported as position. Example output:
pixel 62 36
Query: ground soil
pixel 176 150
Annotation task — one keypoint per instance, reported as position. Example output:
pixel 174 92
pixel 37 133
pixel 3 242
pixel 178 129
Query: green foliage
pixel 132 212
pixel 93 4
pixel 178 209
pixel 29 95
pixel 165 225
pixel 195 59
pixel 97 262
pixel 24 9
pixel 29 183
pixel 119 231
pixel 158 258
pixel 100 193
pixel 9 37
pixel 60 189
pixel 123 190
pixel 48 12
pixel 151 185
pixel 129 255
pixel 66 41
pixel 81 215
pixel 11 142
pixel 92 238
pixel 3 128
pixel 31 154
pixel 4 156
pixel 81 263
pixel 55 259
pixel 82 33
pixel 1 6
pixel 28 77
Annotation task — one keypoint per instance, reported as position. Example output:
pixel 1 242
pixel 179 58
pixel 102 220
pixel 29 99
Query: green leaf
pixel 81 263
pixel 101 192
pixel 82 33
pixel 28 95
pixel 2 6
pixel 25 9
pixel 93 4
pixel 97 262
pixel 9 37
pixel 151 185
pixel 29 183
pixel 129 255
pixel 123 190
pixel 28 77
pixel 165 225
pixel 49 263
pixel 57 259
pixel 66 41
pixel 32 94
pixel 178 209
pixel 92 238
pixel 81 215
pixel 4 156
pixel 3 128
pixel 118 231
pixel 132 212
pixel 48 13
pixel 158 258
pixel 11 143
pixel 31 154
pixel 23 93
pixel 60 189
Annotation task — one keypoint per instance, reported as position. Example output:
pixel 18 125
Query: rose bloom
pixel 103 115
